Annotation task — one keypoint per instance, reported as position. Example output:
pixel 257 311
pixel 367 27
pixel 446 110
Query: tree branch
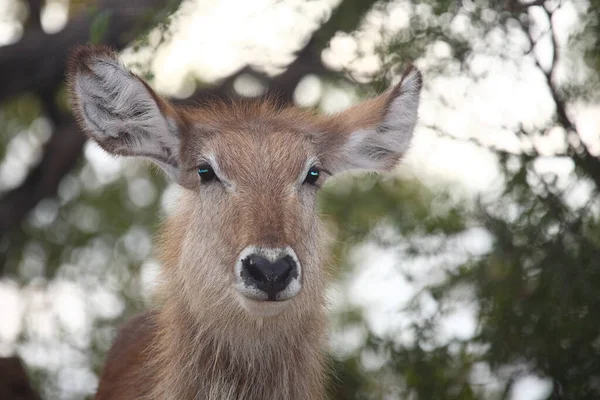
pixel 14 382
pixel 515 5
pixel 582 158
pixel 34 20
pixel 61 153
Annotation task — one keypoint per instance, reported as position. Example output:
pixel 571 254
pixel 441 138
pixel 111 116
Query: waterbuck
pixel 240 308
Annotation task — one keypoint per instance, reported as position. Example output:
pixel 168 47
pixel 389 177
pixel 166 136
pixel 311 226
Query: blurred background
pixel 472 272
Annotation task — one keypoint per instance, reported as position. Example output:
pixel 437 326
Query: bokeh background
pixel 471 272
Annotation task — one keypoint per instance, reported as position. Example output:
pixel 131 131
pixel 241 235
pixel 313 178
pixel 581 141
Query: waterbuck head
pixel 246 237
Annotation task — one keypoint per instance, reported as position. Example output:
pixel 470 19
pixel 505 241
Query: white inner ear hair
pixel 369 147
pixel 119 111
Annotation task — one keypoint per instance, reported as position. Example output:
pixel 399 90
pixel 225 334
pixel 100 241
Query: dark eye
pixel 312 176
pixel 206 173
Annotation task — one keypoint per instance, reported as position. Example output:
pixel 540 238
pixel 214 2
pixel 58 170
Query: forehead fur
pixel 249 131
pixel 240 113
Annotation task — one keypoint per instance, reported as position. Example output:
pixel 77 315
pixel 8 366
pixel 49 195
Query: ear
pixel 120 111
pixel 375 134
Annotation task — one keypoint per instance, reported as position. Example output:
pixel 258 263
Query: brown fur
pixel 200 343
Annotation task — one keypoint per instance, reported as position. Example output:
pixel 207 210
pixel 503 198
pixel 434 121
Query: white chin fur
pixel 260 308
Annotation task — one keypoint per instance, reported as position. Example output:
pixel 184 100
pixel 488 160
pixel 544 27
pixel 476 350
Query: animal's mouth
pixel 263 308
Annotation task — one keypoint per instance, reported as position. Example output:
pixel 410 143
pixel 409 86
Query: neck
pixel 279 357
pixel 206 346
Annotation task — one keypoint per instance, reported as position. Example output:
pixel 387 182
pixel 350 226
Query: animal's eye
pixel 312 176
pixel 206 173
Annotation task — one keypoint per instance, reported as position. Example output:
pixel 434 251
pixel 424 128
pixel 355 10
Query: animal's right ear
pixel 120 111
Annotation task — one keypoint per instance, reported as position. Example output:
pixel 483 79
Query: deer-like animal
pixel 241 308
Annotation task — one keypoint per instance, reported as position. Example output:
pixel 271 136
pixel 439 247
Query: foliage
pixel 533 292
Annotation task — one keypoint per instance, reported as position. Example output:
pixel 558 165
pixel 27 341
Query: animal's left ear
pixel 375 134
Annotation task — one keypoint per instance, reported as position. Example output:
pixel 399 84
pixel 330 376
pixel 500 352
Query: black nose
pixel 270 277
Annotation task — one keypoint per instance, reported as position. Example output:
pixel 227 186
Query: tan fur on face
pixel 261 164
pixel 201 342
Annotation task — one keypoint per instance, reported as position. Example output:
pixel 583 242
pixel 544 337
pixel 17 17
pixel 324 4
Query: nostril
pixel 283 276
pixel 257 267
pixel 255 273
pixel 285 267
pixel 253 266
